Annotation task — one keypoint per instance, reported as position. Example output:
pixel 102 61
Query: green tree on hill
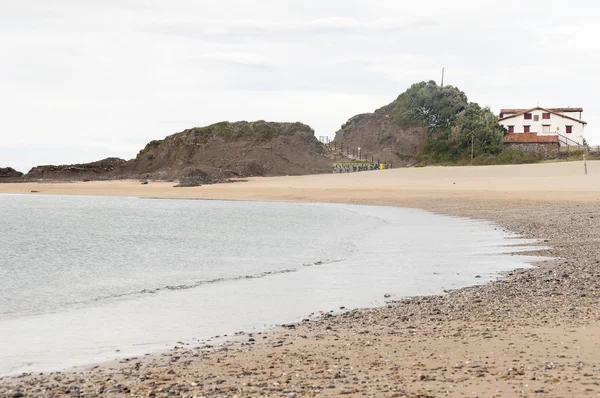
pixel 429 104
pixel 455 126
pixel 477 127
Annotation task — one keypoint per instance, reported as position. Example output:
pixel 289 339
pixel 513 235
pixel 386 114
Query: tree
pixel 428 104
pixel 476 129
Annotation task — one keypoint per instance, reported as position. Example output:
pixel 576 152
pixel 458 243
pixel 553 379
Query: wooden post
pixel 472 142
pixel 584 164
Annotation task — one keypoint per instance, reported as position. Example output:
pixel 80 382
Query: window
pixel 569 129
pixel 528 116
pixel 536 118
pixel 511 129
pixel 526 129
pixel 546 129
pixel 546 116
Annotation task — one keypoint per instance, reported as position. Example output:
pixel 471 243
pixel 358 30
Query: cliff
pixel 381 135
pixel 224 150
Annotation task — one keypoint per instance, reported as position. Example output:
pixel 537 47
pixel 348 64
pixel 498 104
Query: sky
pixel 81 80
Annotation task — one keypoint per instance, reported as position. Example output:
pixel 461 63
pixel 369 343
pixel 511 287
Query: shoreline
pixel 496 246
pixel 530 332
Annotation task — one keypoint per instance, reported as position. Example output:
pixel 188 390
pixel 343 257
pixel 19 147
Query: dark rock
pixel 8 173
pixel 101 169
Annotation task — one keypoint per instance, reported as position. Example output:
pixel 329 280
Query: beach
pixel 531 333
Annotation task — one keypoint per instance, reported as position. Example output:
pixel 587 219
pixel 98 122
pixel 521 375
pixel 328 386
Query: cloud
pixel 239 58
pixel 247 29
pixel 83 75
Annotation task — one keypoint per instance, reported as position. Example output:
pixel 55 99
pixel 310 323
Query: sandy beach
pixel 532 333
pixel 549 181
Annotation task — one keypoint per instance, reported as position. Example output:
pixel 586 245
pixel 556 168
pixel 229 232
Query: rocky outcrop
pixel 207 155
pixel 225 150
pixel 381 135
pixel 9 174
pixel 101 169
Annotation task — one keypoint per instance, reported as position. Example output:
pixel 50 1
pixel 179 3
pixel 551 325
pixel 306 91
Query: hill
pixel 379 136
pixel 224 150
pixel 8 174
pixel 210 154
pixel 394 132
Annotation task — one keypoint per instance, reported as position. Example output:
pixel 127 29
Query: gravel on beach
pixel 533 332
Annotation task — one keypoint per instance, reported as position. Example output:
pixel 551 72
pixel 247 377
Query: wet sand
pixel 532 333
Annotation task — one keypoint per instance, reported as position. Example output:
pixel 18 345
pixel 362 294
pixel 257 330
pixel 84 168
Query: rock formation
pixel 381 136
pixel 101 169
pixel 9 174
pixel 206 155
pixel 224 150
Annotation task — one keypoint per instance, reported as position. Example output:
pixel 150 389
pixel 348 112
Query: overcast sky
pixel 81 80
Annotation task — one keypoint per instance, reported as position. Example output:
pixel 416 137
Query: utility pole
pixel 472 142
pixel 442 77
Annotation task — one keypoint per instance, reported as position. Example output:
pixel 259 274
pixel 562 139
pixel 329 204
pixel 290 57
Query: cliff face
pixel 381 135
pixel 225 150
pixel 8 174
pixel 101 169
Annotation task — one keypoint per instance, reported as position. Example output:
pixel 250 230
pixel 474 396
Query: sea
pixel 90 279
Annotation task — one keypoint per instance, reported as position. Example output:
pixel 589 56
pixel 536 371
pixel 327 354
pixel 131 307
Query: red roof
pixel 559 110
pixel 523 111
pixel 530 138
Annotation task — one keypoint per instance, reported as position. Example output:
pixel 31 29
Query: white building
pixel 564 123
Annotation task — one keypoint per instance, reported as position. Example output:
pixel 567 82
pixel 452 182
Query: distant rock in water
pixel 8 173
pixel 205 155
pixel 101 169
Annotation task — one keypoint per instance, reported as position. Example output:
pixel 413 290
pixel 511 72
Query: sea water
pixel 86 279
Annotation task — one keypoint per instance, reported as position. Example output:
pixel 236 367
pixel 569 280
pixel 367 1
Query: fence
pixel 359 160
pixel 352 153
pixel 357 167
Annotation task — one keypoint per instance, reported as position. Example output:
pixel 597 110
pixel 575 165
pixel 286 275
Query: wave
pixel 155 290
pixel 187 285
pixel 199 283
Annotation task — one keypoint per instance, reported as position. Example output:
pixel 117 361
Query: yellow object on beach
pixel 381 166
